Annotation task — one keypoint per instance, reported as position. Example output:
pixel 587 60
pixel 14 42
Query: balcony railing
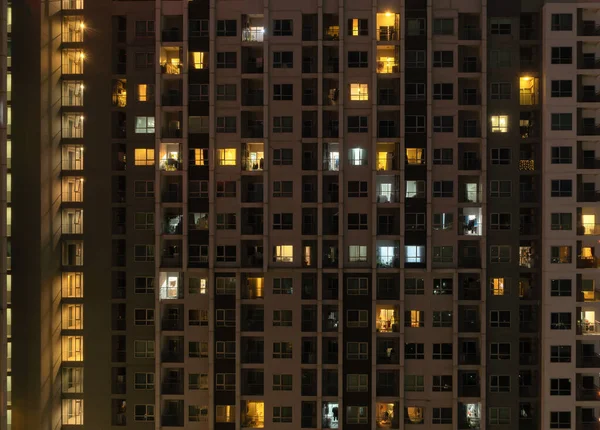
pixel 590 63
pixel 590 96
pixel 470 34
pixel 588 229
pixel 590 28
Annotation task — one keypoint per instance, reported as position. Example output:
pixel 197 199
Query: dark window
pixel 443 91
pixel 226 60
pixel 358 27
pixel 442 156
pixel 562 88
pixel 561 121
pixel 561 188
pixel 283 60
pixel 358 59
pixel 443 59
pixel 283 92
pixel 561 22
pixel 561 155
pixel 283 27
pixel 562 55
pixel 443 124
pixel 358 124
pixel 226 27
pixel 443 26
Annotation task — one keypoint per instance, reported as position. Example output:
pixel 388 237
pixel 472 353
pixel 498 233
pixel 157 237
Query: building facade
pixel 315 215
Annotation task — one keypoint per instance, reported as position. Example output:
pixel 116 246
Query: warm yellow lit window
pixel 588 290
pixel 586 253
pixel 72 412
pixel 145 92
pixel 527 90
pixel 198 60
pixel 144 157
pixel 499 123
pixel 226 157
pixel 72 316
pixel 415 318
pixel 225 414
pixel 284 254
pixel 72 348
pixel 359 92
pixel 199 157
pixel 255 288
pixel 414 155
pixel 253 415
pixel 354 27
pixel 498 286
pixel 589 224
pixel 72 285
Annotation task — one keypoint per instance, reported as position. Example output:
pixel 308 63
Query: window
pixel 198 317
pixel 357 382
pixel 443 124
pixel 561 22
pixel 443 221
pixel 283 124
pixel 500 188
pixel 144 29
pixel 443 188
pixel 198 27
pixel 442 319
pixel 283 254
pixel 414 351
pixel 501 156
pixel 415 124
pixel 283 221
pixel 560 387
pixel 357 350
pixel 357 414
pixel 225 350
pixel 562 88
pixel 414 383
pixel 199 381
pixel 441 416
pixel 145 92
pixel 499 286
pixel 226 254
pixel 357 318
pixel 443 26
pixel 283 92
pixel 143 349
pixel 561 188
pixel 359 92
pixel 226 60
pixel 500 221
pixel 226 157
pixel 499 123
pixel 560 321
pixel 144 317
pixel 143 60
pixel 413 221
pixel 143 412
pixel 357 189
pixel 226 124
pixel 562 55
pixel 443 59
pixel 500 319
pixel 560 353
pixel 357 221
pixel 560 255
pixel 358 59
pixel 442 383
pixel 282 414
pixel 414 286
pixel 442 351
pixel 283 157
pixel 197 285
pixel 144 220
pixel 144 124
pixel 143 253
pixel 415 91
pixel 226 92
pixel 560 420
pixel 283 27
pixel 500 351
pixel 443 254
pixel 414 319
pixel 226 221
pixel 198 92
pixel 282 318
pixel 281 382
pixel 561 121
pixel 282 350
pixel 357 286
pixel 198 124
pixel 560 287
pixel 283 286
pixel 414 254
pixel 443 91
pixel 225 413
pixel 500 26
pixel 198 157
pixel 225 189
pixel 500 254
pixel 416 59
pixel 143 381
pixel 500 90
pixel 358 124
pixel 500 59
pixel 144 285
pixel 561 155
pixel 357 157
pixel 283 60
pixel 283 188
pixel 144 157
pixel 357 253
pixel 415 26
pixel 499 416
pixel 225 318
pixel 358 27
pixel 226 27
pixel 443 156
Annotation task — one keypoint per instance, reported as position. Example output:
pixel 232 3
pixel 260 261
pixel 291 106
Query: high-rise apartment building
pixel 333 214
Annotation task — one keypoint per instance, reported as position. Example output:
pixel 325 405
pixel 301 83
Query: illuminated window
pixel 253 414
pixel 499 123
pixel 198 60
pixel 415 155
pixel 72 285
pixel 359 92
pixel 358 27
pixel 198 157
pixel 357 253
pixel 283 254
pixel 72 348
pixel 145 92
pixel 226 157
pixel 527 90
pixel 72 316
pixel 72 412
pixel 144 124
pixel 143 412
pixel 144 157
pixel 72 379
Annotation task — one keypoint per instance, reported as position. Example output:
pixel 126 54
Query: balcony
pixel 387 319
pixel 388 59
pixel 171 60
pixel 388 27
